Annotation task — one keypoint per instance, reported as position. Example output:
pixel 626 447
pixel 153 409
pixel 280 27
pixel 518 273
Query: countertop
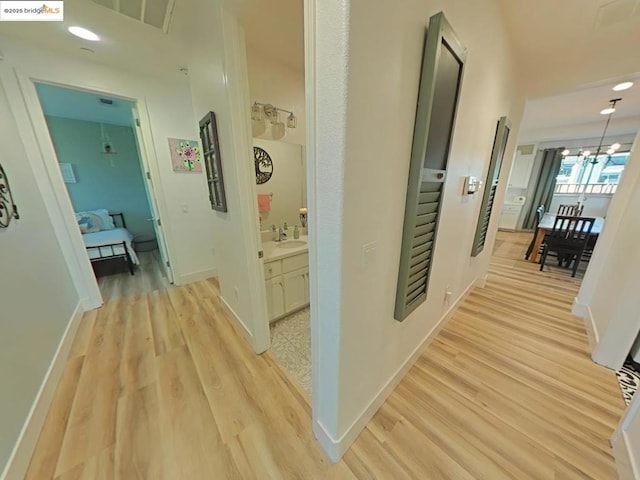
pixel 272 252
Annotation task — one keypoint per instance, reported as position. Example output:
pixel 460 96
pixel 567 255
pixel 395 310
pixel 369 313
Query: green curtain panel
pixel 551 160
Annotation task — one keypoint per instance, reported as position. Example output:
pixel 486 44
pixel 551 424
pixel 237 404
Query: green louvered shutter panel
pixel 491 185
pixel 440 83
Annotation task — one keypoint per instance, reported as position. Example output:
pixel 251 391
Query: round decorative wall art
pixel 263 164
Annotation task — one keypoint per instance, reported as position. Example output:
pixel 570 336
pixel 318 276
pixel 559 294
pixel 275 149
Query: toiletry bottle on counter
pixel 286 227
pixel 296 232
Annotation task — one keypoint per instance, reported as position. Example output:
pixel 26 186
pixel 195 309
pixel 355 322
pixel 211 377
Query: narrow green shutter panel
pixel 440 82
pixel 491 185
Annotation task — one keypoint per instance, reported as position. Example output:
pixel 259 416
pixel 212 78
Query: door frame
pixel 150 190
pixel 25 105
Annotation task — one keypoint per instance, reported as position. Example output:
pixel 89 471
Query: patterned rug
pixel 629 380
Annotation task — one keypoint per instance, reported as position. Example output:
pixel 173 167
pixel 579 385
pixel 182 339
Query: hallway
pixel 161 385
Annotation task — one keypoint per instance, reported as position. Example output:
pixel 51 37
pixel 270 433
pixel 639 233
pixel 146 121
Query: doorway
pixel 101 156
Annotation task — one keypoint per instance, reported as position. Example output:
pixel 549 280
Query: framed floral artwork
pixel 185 155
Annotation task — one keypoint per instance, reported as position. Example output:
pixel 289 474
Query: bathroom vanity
pixel 286 273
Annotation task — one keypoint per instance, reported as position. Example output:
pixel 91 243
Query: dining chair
pixel 571 210
pixel 568 240
pixel 539 215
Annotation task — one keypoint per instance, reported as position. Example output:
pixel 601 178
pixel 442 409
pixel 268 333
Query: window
pixel 581 175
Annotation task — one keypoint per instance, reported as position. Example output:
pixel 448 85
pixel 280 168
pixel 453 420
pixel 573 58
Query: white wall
pixel 371 144
pixel 271 81
pixel 626 442
pixel 35 307
pixel 215 54
pixel 286 183
pixel 169 115
pixel 608 295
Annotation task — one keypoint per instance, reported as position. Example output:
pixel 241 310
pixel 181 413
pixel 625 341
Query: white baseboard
pixel 336 448
pixel 91 303
pixel 196 276
pixel 18 463
pixel 481 282
pixel 626 465
pixel 584 311
pixel 236 318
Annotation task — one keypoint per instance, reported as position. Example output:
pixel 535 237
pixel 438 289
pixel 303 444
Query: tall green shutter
pixel 491 185
pixel 440 83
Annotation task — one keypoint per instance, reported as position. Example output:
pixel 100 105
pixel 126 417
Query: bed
pixel 112 243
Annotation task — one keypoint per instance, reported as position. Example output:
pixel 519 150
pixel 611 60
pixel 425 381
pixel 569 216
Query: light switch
pixel 369 253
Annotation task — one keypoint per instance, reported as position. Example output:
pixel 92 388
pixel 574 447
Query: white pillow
pixel 95 220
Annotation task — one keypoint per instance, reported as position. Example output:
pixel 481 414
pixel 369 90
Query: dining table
pixel 546 225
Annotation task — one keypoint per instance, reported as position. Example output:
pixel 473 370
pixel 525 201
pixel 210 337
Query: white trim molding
pixel 626 464
pixel 336 448
pixel 234 316
pixel 196 276
pixel 584 311
pixel 481 281
pixel 41 155
pixel 20 457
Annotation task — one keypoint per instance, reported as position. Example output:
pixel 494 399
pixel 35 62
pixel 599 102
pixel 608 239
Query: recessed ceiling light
pixel 623 86
pixel 84 33
pixel 607 111
pixel 615 146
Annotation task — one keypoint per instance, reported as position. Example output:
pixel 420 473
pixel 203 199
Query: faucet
pixel 281 235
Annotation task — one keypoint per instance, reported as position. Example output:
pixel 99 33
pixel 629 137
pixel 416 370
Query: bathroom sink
pixel 291 244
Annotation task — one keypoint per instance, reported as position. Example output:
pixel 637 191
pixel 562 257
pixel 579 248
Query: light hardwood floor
pixel 148 277
pixel 161 386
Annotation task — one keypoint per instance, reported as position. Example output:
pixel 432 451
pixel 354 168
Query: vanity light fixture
pixel 615 146
pixel 622 86
pixel 84 33
pixel 291 121
pixel 257 112
pixel 266 112
pixel 566 152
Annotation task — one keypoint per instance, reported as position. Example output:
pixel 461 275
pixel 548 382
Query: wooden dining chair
pixel 539 215
pixel 571 210
pixel 568 240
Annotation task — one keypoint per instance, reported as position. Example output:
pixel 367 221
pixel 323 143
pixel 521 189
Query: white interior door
pixel 151 195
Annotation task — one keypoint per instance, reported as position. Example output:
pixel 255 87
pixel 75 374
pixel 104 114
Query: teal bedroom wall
pixel 114 182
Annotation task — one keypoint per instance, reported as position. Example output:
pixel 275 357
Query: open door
pixel 153 202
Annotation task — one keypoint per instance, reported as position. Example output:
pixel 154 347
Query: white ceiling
pixel 275 28
pixel 79 105
pixel 577 114
pixel 563 44
pixel 125 43
pixel 569 54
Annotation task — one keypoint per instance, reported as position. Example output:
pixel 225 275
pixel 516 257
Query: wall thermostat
pixel 471 185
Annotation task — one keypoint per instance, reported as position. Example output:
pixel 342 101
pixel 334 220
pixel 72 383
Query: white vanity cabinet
pixel 275 297
pixel 287 284
pixel 296 287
